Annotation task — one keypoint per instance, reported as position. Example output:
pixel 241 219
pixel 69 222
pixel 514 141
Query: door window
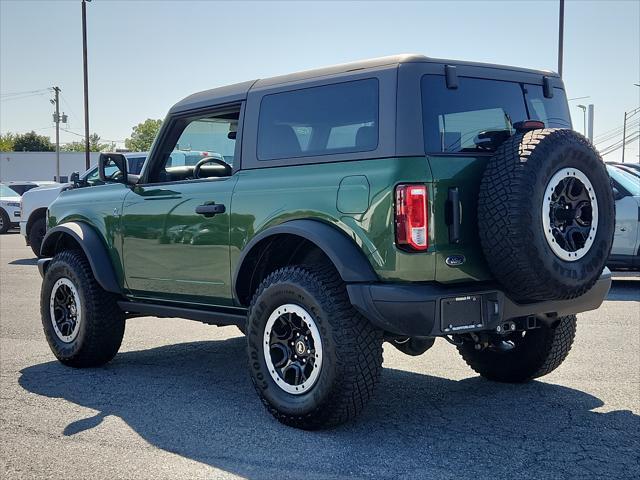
pixel 205 147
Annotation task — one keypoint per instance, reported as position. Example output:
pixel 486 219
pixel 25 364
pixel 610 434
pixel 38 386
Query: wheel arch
pixel 40 212
pixel 326 240
pixel 88 240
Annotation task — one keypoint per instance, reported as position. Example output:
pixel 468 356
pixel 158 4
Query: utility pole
pixel 624 134
pixel 56 118
pixel 590 123
pixel 627 116
pixel 560 37
pixel 86 84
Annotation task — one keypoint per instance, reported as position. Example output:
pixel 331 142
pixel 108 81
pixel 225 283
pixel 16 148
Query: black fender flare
pixel 92 246
pixel 349 260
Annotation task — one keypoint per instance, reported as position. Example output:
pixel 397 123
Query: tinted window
pixel 474 117
pixel 628 181
pixel 554 112
pixel 479 115
pixel 135 164
pixel 322 120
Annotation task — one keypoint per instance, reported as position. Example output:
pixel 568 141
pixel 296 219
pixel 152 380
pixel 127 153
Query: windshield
pixel 6 191
pixel 479 115
pixel 628 181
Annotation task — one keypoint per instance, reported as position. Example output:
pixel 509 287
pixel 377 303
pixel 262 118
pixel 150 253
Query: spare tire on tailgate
pixel 546 215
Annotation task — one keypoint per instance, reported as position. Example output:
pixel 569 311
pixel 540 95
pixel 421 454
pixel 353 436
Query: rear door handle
pixel 210 209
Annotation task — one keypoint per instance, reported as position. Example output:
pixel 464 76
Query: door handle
pixel 210 209
pixel 453 214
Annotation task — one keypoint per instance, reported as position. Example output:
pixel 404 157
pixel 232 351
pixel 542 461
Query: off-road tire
pixel 352 348
pixel 36 235
pixel 510 219
pixel 538 353
pixel 5 222
pixel 102 325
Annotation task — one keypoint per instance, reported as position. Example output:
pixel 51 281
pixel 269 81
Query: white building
pixel 41 165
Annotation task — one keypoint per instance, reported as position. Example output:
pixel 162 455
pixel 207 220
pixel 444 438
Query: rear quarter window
pixel 330 119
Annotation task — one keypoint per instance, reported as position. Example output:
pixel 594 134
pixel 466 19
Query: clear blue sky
pixel 146 55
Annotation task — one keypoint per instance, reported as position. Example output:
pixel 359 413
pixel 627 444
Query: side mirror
pixel 74 178
pixel 112 167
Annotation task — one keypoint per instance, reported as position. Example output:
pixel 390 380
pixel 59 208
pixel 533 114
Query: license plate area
pixel 461 313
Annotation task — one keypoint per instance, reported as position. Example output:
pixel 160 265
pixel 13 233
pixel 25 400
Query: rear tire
pixel 537 353
pixel 82 322
pixel 36 235
pixel 342 348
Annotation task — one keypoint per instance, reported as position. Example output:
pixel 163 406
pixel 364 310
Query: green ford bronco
pixel 397 199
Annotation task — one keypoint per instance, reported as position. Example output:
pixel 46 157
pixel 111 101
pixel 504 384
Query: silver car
pixel 625 253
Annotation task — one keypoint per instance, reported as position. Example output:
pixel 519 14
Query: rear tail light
pixel 411 217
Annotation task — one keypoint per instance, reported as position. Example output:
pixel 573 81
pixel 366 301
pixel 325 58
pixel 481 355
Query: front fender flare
pixel 92 246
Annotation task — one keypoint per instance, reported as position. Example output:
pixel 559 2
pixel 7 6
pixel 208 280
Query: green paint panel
pixel 353 194
pixel 465 174
pixel 162 249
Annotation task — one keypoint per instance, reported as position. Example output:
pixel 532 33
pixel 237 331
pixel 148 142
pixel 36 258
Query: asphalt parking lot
pixel 177 402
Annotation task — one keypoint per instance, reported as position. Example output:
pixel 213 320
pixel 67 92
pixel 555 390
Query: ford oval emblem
pixel 454 260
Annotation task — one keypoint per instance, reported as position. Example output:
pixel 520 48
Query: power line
pixel 618 145
pixel 21 97
pixel 24 92
pixel 616 132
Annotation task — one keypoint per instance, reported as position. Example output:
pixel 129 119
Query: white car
pixel 9 208
pixel 625 252
pixel 35 202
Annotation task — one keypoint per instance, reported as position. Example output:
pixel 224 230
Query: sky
pixel 146 55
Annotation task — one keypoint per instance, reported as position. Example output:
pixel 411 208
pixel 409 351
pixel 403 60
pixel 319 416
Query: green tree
pixel 7 141
pixel 94 145
pixel 32 142
pixel 143 135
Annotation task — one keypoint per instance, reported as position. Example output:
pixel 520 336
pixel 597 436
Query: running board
pixel 211 317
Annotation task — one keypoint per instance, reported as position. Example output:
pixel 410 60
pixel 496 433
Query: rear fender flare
pixel 348 259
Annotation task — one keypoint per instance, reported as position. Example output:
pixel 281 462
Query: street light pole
pixel 560 37
pixel 87 160
pixel 584 118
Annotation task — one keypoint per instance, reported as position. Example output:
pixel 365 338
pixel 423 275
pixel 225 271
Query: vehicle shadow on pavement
pixel 25 261
pixel 196 400
pixel 624 290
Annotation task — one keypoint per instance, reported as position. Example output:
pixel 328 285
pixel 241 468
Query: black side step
pixel 211 317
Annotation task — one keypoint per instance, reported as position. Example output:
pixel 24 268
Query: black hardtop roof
pixel 238 91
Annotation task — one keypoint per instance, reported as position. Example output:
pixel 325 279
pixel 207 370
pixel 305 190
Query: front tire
pixel 5 222
pixel 36 235
pixel 313 359
pixel 82 322
pixel 534 354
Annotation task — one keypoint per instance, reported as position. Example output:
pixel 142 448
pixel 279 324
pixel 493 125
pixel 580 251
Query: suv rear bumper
pixel 431 310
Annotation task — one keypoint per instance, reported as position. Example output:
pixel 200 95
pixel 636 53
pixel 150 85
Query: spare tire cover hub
pixel 570 214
